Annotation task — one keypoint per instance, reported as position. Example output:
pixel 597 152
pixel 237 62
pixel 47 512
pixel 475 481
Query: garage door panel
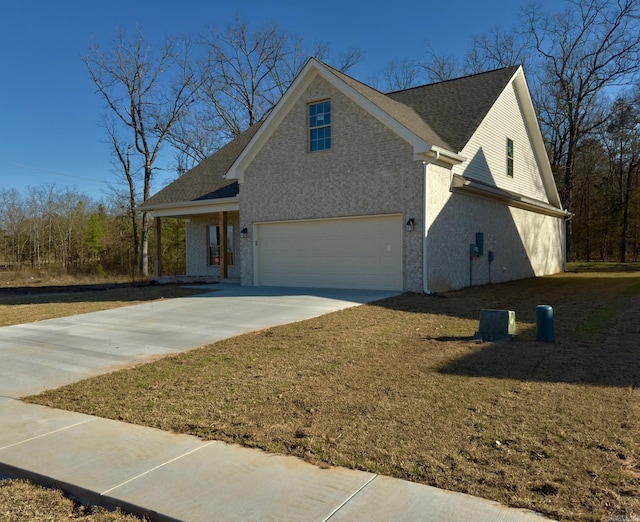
pixel 340 253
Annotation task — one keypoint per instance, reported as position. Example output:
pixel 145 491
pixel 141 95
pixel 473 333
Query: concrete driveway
pixel 48 354
pixel 170 476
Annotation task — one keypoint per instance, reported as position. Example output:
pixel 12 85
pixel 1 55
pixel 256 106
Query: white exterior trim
pixel 188 208
pixel 469 186
pixel 521 87
pixel 307 75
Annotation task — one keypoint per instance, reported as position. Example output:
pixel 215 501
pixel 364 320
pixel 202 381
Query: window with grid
pixel 509 157
pixel 320 126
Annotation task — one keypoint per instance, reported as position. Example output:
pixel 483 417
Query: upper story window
pixel 320 126
pixel 509 157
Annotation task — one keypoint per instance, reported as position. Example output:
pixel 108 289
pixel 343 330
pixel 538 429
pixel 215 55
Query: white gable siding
pixel 487 150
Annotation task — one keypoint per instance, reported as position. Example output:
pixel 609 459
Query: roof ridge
pixel 341 73
pixel 455 108
pixel 459 78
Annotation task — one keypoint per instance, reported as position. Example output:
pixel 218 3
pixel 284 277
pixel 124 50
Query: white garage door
pixel 364 253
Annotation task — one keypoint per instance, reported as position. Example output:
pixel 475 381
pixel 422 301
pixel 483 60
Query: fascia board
pixel 446 158
pixel 469 186
pixel 521 88
pixel 309 72
pixel 188 208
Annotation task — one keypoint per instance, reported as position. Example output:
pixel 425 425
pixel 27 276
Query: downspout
pixel 425 228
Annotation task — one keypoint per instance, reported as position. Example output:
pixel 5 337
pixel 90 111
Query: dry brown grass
pixel 400 388
pixel 34 278
pixel 30 304
pixel 21 501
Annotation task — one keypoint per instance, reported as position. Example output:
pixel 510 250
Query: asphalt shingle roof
pixel 401 112
pixel 455 108
pixel 443 114
pixel 206 180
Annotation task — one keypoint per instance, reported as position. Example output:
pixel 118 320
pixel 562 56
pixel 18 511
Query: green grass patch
pixel 604 317
pixel 602 267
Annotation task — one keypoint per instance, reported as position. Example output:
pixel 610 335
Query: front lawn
pixel 29 304
pixel 400 388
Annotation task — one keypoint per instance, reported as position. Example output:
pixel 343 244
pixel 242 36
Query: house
pixel 427 189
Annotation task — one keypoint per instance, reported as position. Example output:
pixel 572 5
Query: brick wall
pixel 368 171
pixel 525 244
pixel 196 237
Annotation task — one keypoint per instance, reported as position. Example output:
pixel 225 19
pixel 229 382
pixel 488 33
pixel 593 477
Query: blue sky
pixel 50 114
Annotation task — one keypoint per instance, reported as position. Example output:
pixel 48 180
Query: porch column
pixel 157 225
pixel 223 245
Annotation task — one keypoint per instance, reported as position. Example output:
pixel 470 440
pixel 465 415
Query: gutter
pixel 512 199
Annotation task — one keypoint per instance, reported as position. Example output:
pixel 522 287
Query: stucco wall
pixel 196 237
pixel 368 171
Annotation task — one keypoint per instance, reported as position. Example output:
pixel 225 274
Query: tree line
pixel 60 230
pixel 582 64
pixel 192 94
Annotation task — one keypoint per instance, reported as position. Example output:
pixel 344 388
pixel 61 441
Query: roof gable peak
pixel 455 108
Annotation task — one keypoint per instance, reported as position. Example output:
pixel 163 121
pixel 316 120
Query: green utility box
pixel 496 325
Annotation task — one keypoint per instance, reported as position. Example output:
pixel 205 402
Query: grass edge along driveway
pixel 399 388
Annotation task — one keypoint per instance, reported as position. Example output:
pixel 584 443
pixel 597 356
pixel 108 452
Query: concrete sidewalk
pixel 168 476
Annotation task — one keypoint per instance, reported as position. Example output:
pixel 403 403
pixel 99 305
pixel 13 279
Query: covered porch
pixel 212 240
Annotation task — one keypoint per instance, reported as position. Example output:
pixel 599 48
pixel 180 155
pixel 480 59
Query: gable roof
pixel 398 110
pixel 206 180
pixel 455 108
pixel 398 117
pixel 437 119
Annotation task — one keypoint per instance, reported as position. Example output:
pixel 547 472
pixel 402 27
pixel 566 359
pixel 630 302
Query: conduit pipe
pixel 425 228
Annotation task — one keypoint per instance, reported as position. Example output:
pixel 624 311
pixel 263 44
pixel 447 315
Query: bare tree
pixel 13 217
pixel 402 74
pixel 494 50
pixel 440 66
pixel 246 72
pixel 591 45
pixel 193 139
pixel 622 141
pixel 122 164
pixel 147 91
